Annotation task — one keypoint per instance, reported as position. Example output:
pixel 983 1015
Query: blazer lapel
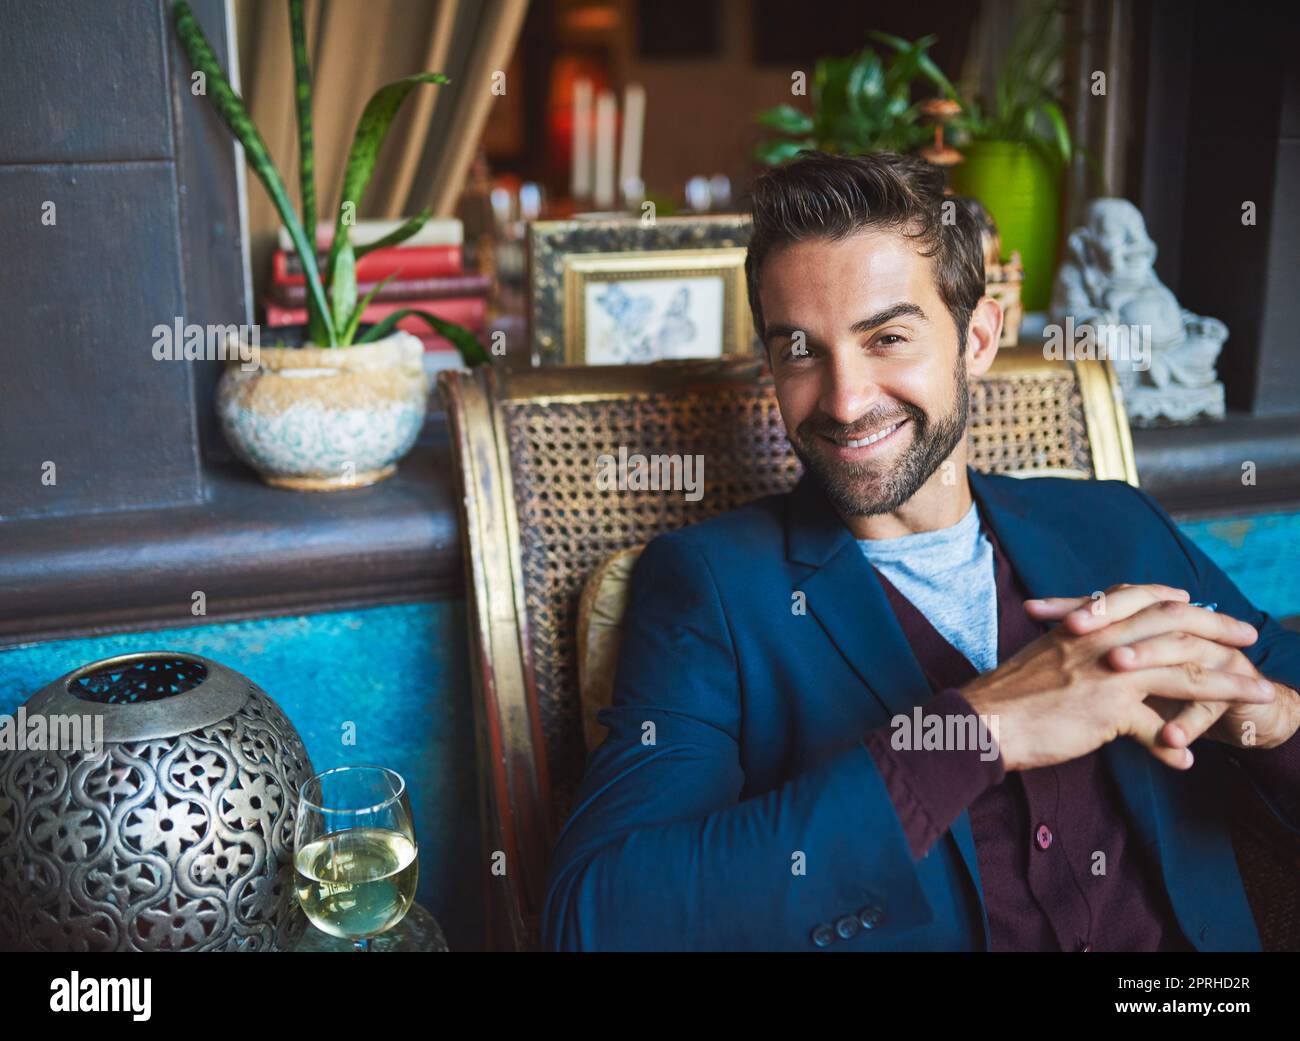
pixel 1040 555
pixel 846 598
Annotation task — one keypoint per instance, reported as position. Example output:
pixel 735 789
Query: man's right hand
pixel 1058 699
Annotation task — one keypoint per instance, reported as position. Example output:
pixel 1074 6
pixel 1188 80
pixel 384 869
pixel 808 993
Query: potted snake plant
pixel 340 410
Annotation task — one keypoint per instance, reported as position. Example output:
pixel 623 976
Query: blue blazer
pixel 733 805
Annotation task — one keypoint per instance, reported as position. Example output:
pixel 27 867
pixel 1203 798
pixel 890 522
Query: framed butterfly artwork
pixel 619 291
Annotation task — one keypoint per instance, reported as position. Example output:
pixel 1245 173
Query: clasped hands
pixel 1138 661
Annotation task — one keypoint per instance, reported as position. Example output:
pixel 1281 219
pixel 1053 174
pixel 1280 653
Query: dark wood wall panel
pixel 97 118
pixel 82 80
pixel 1230 270
pixel 1278 386
pixel 83 388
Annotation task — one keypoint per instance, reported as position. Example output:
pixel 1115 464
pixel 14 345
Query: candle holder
pixel 174 834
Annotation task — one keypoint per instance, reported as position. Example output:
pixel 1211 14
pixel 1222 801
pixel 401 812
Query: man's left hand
pixel 1240 725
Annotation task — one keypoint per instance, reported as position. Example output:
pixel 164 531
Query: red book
pixel 440 288
pixel 407 262
pixel 470 312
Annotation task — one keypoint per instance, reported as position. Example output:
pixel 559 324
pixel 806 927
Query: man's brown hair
pixel 818 195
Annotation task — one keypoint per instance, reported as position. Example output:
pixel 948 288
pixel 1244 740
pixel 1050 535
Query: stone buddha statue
pixel 1163 354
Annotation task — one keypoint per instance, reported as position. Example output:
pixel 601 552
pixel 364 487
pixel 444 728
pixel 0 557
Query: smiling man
pixel 886 711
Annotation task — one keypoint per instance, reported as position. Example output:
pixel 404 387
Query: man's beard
pixel 861 490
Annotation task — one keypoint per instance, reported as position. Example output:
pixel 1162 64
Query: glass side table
pixel 418 931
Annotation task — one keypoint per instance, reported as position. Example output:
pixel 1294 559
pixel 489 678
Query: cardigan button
pixel 1043 836
pixel 823 935
pixel 870 916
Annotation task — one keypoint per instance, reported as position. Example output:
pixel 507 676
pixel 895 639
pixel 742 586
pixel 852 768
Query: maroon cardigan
pixel 1062 865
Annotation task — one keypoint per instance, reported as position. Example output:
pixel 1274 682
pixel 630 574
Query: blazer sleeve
pixel 1274 773
pixel 661 853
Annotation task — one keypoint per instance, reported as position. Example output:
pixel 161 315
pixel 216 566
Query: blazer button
pixel 847 927
pixel 823 935
pixel 870 916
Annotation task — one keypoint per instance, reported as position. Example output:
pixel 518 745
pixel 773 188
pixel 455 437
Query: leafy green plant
pixel 861 103
pixel 1026 101
pixel 333 310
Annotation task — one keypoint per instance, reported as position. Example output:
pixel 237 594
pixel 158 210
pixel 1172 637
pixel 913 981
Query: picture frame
pixel 617 290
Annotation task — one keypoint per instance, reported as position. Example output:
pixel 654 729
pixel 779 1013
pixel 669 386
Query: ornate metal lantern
pixel 175 833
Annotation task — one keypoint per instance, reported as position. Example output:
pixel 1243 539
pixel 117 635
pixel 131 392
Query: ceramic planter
pixel 323 419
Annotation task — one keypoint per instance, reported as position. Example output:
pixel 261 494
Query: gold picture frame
pixel 583 270
pixel 564 257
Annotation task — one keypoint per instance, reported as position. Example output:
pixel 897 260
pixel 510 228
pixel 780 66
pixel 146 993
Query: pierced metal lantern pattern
pixel 177 834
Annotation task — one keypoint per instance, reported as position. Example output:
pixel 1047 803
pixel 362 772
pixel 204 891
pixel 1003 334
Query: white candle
pixel 606 116
pixel 633 131
pixel 580 180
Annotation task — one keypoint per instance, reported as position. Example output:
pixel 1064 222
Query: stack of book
pixel 426 274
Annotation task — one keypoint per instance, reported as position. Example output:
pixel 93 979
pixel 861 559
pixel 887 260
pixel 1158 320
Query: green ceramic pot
pixel 1021 189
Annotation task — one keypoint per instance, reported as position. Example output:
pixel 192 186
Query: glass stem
pixel 361 945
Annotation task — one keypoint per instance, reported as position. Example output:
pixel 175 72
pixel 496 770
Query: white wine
pixel 357 883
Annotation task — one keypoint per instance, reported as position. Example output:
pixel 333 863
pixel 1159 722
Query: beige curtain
pixel 356 46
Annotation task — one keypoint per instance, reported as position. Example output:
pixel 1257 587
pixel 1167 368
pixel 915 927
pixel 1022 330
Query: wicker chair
pixel 535 528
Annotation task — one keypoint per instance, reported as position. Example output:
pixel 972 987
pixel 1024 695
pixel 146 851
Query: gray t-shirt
pixel 948 576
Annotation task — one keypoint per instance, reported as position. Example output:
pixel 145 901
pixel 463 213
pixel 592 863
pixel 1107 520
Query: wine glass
pixel 355 855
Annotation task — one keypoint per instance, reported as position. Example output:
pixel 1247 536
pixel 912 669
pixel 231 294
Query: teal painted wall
pixel 1260 553
pixel 401 675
